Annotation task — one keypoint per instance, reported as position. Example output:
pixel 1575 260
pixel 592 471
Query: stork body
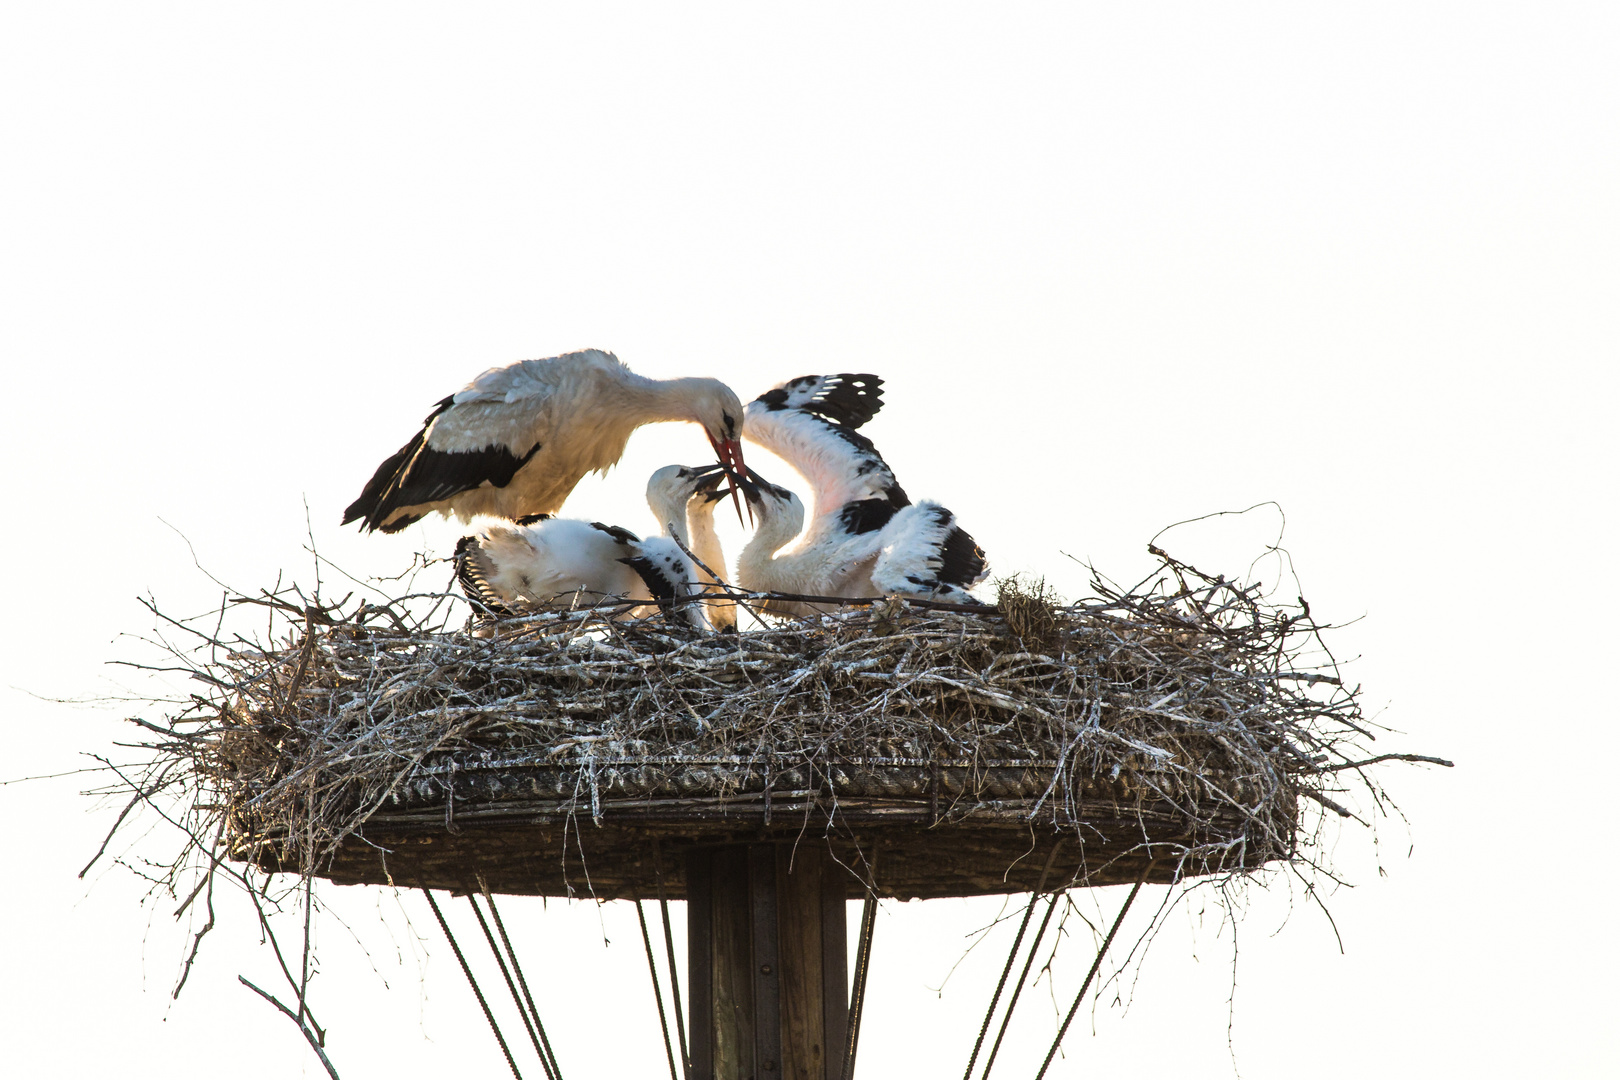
pixel 865 538
pixel 515 441
pixel 550 562
pixel 828 567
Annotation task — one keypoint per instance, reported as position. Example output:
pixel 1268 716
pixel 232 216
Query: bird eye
pixel 731 425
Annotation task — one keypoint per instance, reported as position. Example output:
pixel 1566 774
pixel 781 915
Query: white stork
pixel 814 569
pixel 866 538
pixel 515 441
pixel 546 562
pixel 682 498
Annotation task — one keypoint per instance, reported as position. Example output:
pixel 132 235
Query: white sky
pixel 1119 268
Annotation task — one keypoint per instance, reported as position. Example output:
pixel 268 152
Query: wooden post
pixel 768 979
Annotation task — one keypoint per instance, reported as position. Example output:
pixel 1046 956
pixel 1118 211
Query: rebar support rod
pixel 1092 974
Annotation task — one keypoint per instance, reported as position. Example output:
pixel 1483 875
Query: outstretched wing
pixel 848 400
pixel 854 489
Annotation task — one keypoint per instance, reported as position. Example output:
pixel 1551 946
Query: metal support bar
pixel 467 971
pixel 1012 955
pixel 675 988
pixel 658 995
pixel 511 987
pixel 674 975
pixel 863 963
pixel 550 1055
pixel 1018 988
pixel 1092 974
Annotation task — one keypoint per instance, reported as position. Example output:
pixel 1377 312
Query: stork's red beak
pixel 729 451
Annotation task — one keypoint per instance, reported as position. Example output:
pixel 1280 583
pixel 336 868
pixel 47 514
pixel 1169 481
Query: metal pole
pixel 658 995
pixel 511 987
pixel 1012 955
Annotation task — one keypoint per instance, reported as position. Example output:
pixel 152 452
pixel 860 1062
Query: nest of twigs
pixel 1171 729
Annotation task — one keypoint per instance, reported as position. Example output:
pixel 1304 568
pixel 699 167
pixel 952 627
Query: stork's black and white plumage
pixel 926 553
pixel 547 562
pixel 865 537
pixel 506 568
pixel 516 440
pixel 682 500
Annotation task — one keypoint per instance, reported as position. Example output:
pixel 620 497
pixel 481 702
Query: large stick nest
pixel 1189 697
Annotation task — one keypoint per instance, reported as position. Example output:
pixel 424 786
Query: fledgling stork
pixel 813 568
pixel 564 563
pixel 546 562
pixel 866 537
pixel 682 498
pixel 515 441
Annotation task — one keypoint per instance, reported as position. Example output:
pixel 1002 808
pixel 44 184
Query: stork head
pixel 712 404
pixel 672 487
pixel 780 511
pixel 720 412
pixel 681 482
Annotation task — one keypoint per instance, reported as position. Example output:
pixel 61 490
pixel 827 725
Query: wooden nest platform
pixel 907 829
pixel 1170 730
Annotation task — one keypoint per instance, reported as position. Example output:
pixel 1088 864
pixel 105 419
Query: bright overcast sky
pixel 1120 266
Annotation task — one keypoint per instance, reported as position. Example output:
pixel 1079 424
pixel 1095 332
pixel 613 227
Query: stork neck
pixel 671 515
pixel 704 540
pixel 659 400
pixel 776 528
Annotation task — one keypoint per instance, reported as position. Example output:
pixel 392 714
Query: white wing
pixel 853 489
pixel 926 553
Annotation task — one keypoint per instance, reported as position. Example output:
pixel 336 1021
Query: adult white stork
pixel 546 562
pixel 866 538
pixel 515 441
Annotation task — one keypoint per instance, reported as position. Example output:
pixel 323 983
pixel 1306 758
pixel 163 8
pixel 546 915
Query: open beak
pixel 729 451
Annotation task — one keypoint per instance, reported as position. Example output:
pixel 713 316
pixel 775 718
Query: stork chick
pixel 682 499
pixel 565 563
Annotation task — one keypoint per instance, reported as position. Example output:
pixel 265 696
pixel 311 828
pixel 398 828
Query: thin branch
pixel 309 1036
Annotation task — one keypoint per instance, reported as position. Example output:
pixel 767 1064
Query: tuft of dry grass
pixel 1031 610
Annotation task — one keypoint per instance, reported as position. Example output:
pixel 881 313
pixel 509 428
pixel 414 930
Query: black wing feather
pixel 961 559
pixel 657 582
pixel 618 532
pixel 419 474
pixel 471 577
pixel 848 399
